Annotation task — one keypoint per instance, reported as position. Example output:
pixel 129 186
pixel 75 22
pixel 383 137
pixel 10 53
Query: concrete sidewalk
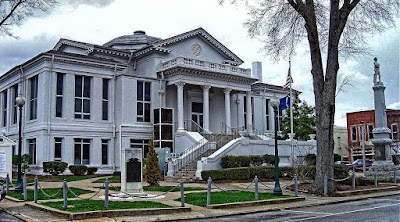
pixel 30 214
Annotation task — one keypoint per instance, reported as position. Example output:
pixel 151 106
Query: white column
pixel 206 109
pixel 248 112
pixel 227 110
pixel 179 86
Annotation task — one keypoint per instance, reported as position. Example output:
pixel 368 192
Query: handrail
pixel 224 129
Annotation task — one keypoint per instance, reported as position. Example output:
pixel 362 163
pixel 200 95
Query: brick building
pixel 354 132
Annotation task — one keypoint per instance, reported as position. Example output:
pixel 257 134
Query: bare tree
pixel 345 82
pixel 13 12
pixel 330 27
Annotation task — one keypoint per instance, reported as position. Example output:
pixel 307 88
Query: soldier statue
pixel 377 74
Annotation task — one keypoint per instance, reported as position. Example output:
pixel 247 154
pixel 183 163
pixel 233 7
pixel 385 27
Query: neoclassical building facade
pixel 85 103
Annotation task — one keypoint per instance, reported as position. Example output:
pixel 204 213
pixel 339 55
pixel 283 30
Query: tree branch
pixel 19 2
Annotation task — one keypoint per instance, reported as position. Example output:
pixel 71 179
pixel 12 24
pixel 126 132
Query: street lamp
pixel 20 101
pixel 277 188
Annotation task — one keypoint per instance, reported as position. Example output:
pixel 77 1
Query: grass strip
pixel 50 192
pixel 113 179
pixel 200 198
pixel 93 205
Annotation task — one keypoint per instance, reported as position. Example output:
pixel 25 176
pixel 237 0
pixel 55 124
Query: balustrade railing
pixel 195 63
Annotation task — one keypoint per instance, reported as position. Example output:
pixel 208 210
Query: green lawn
pixel 92 205
pixel 68 178
pixel 50 192
pixel 200 199
pixel 113 179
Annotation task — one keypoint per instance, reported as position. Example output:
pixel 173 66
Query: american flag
pixel 289 79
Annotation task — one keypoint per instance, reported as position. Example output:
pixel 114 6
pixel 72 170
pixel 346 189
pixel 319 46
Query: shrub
pixel 229 162
pixel 341 171
pixel 26 160
pixel 244 161
pixel 91 170
pixel 54 167
pixel 269 159
pixel 151 173
pixel 256 160
pixel 311 159
pixel 78 170
pixel 337 157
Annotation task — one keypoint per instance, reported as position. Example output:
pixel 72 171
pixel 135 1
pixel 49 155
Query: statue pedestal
pixel 132 171
pixel 384 170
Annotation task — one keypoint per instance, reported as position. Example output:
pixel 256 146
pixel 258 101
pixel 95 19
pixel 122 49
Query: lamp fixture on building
pixel 277 189
pixel 20 102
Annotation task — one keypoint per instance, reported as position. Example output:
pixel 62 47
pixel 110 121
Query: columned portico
pixel 248 112
pixel 227 110
pixel 180 86
pixel 206 108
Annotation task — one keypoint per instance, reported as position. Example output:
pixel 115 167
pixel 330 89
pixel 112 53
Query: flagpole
pixel 291 115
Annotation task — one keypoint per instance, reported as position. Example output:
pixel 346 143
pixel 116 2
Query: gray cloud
pixel 94 3
pixel 16 51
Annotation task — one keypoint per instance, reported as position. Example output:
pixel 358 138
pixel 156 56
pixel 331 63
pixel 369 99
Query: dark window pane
pixel 60 80
pixel 140 109
pixel 86 106
pixel 57 148
pixel 147 112
pixel 105 110
pixel 86 89
pixel 78 86
pixel 147 91
pixel 78 105
pixel 197 107
pixel 59 107
pixel 105 88
pixel 140 91
pixel 166 132
pixel 77 153
pixel 104 152
pixel 86 154
pixel 86 116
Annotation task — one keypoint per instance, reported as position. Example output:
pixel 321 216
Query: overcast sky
pixel 98 21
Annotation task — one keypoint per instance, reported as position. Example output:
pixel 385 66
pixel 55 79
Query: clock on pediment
pixel 196 49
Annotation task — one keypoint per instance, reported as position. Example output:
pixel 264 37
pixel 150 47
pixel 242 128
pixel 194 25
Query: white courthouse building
pixel 85 102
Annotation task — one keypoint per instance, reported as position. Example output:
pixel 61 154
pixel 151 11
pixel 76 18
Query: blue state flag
pixel 284 102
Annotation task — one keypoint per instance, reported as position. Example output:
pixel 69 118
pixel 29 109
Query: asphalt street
pixel 5 217
pixel 385 209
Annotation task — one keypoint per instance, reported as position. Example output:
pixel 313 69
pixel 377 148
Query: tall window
pixel 15 110
pixel 59 94
pixel 57 148
pixel 82 97
pixel 370 134
pixel 4 108
pixel 353 133
pixel 32 149
pixel 81 151
pixel 104 152
pixel 267 115
pixel 105 99
pixel 360 132
pixel 395 130
pixel 33 93
pixel 143 101
pixel 143 144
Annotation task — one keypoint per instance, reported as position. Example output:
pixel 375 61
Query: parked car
pixel 358 164
pixel 341 162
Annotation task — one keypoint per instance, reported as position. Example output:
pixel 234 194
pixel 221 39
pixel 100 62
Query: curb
pixel 17 215
pixel 365 191
pixel 255 203
pixel 110 213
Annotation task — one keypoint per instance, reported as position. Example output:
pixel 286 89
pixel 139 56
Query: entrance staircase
pixel 184 166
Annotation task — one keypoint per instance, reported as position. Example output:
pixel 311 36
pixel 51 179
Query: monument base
pixel 384 170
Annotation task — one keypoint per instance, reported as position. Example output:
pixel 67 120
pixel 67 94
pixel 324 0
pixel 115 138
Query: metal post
pixel 106 183
pixel 325 185
pixel 353 177
pixel 24 187
pixel 19 163
pixel 7 183
pixel 35 191
pixel 182 194
pixel 208 191
pixel 363 145
pixel 256 188
pixel 296 187
pixel 65 193
pixel 375 181
pixel 277 188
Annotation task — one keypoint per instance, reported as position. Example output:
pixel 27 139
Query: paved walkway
pixel 30 214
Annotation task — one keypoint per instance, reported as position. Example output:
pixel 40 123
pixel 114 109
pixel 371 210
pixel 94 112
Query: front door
pixel 197 117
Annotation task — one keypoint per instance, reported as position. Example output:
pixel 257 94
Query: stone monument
pixel 132 171
pixel 383 166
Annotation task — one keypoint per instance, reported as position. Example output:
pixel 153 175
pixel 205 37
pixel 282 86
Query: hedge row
pixel 267 172
pixel 246 161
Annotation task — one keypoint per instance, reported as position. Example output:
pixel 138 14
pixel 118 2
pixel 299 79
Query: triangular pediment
pixel 200 32
pixel 4 141
pixel 70 46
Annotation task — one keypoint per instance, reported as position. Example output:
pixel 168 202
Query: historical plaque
pixel 133 170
